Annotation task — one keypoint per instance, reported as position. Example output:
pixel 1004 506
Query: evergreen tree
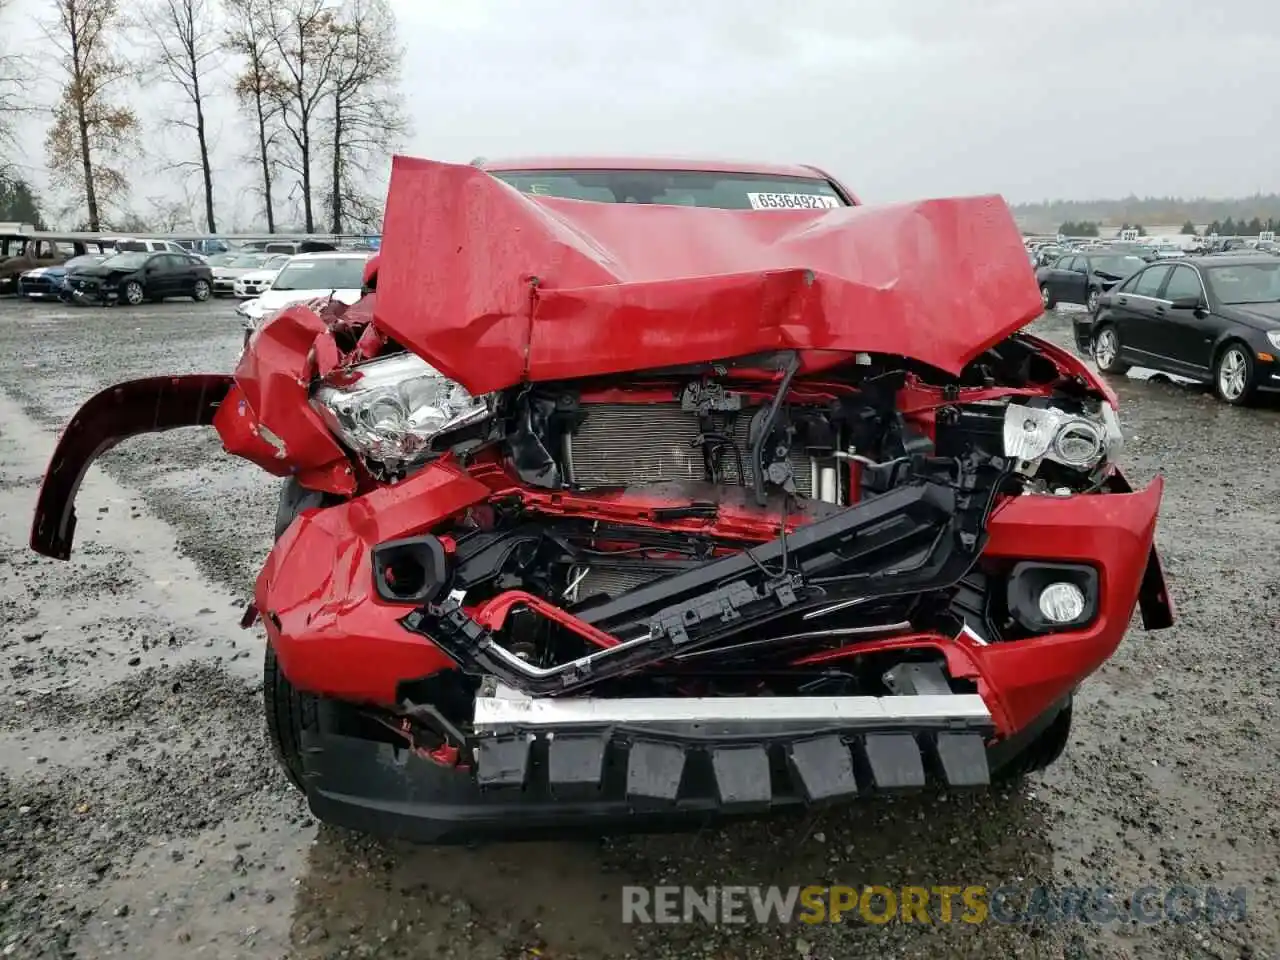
pixel 18 203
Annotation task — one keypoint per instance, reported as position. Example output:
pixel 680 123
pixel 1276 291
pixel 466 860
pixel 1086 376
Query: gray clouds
pixel 1034 100
pixel 932 97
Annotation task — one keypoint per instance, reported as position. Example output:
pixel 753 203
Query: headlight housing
pixel 1274 337
pixel 389 409
pixel 1034 434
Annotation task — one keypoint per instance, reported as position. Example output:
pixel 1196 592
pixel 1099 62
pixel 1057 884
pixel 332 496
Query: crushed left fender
pixel 126 410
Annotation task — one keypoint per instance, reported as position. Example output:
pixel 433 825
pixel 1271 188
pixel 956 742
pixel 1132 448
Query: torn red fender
pixel 261 413
pixel 152 405
pixel 268 419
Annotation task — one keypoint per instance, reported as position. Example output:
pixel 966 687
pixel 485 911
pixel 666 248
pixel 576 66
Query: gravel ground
pixel 142 816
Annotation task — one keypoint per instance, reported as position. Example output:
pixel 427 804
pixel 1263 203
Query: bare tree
pixel 257 85
pixel 185 51
pixel 168 215
pixel 14 91
pixel 366 116
pixel 302 57
pixel 89 129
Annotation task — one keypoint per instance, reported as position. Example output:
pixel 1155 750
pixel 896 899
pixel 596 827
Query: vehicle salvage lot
pixel 141 813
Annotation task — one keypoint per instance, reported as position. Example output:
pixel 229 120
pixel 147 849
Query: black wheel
pixel 1041 752
pixel 288 710
pixel 1233 374
pixel 1106 350
pixel 200 292
pixel 1046 298
pixel 133 293
pixel 1091 301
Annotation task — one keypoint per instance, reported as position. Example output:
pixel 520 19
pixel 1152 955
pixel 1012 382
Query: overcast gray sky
pixel 1034 100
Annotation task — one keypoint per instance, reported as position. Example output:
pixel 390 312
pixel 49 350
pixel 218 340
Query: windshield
pixel 1118 267
pixel 89 260
pixel 1246 282
pixel 221 259
pixel 331 273
pixel 126 261
pixel 686 188
pixel 244 260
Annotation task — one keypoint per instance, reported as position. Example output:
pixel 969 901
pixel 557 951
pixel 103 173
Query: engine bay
pixel 868 487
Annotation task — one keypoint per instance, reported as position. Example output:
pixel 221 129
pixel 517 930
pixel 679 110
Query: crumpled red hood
pixel 494 287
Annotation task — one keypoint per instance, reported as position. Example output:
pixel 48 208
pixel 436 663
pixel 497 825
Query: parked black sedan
pixel 1084 277
pixel 136 276
pixel 1213 318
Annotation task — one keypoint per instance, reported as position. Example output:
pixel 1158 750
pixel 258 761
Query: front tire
pixel 1046 298
pixel 1041 752
pixel 133 293
pixel 1106 351
pixel 1233 375
pixel 200 293
pixel 288 710
pixel 1091 301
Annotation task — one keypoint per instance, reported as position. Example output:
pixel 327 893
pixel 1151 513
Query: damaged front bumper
pixel 563 760
pixel 551 758
pixel 559 766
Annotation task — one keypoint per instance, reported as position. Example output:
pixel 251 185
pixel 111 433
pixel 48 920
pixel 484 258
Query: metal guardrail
pixel 88 237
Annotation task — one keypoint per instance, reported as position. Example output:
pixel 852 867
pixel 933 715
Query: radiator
pixel 627 444
pixel 610 581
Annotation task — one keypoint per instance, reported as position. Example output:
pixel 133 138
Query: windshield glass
pixel 686 188
pixel 88 260
pixel 221 259
pixel 331 273
pixel 126 261
pixel 1119 267
pixel 243 260
pixel 1246 282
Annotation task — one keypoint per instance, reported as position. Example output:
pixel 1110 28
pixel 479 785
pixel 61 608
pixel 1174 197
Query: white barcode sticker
pixel 791 201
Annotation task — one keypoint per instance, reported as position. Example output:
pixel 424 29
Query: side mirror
pixel 1186 303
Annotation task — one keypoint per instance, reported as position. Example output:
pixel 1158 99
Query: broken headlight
pixel 389 409
pixel 1033 434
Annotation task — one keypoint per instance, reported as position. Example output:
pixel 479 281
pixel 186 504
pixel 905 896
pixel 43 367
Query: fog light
pixel 1061 602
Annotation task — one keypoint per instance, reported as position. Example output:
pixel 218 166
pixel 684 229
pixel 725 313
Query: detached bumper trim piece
pixel 117 413
pixel 509 710
pixel 527 787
